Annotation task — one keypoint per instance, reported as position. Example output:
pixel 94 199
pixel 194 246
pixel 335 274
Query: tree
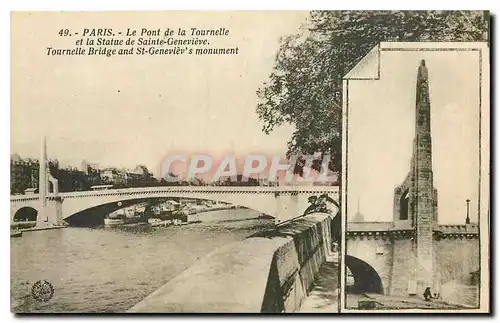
pixel 320 204
pixel 305 86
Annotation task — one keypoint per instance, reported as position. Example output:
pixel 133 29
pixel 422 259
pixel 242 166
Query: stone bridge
pixel 383 259
pixel 90 207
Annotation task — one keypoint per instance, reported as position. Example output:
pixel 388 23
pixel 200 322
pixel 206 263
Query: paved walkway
pixel 394 302
pixel 324 297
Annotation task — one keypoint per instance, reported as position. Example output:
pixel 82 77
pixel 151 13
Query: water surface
pixel 112 269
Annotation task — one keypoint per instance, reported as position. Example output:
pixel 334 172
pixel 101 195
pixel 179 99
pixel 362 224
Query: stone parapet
pixel 271 271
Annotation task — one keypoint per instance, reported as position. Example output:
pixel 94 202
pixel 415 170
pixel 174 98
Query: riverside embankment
pixel 271 271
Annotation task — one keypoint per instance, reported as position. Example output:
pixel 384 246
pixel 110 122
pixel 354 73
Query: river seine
pixel 112 269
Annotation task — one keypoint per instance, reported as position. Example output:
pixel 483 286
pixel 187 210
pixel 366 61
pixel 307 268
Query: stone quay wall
pixel 271 271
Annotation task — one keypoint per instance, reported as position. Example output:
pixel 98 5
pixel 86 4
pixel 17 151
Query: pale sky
pixel 131 110
pixel 381 132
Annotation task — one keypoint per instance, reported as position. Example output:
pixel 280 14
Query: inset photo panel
pixel 416 179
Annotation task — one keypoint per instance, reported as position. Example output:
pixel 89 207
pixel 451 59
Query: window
pixel 403 205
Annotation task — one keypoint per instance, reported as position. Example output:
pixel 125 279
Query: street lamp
pixel 467 219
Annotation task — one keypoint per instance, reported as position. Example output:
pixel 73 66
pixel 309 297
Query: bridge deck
pixel 189 189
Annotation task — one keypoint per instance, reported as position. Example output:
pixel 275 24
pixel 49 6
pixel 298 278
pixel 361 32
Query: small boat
pixel 155 222
pixel 112 222
pixel 15 233
pixel 179 222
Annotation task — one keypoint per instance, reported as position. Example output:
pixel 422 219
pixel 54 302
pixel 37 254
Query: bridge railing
pixel 194 189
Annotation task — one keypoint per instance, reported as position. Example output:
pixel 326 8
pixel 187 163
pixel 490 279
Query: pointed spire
pixel 42 173
pixel 358 217
pixel 421 195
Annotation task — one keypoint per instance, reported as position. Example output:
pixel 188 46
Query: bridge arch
pixel 92 210
pixel 366 278
pixel 26 213
pixel 282 203
pixel 94 215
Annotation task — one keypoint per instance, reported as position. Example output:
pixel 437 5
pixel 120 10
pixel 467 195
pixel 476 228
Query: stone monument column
pixel 422 204
pixel 42 184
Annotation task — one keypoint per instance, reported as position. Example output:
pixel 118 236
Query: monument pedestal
pixel 51 214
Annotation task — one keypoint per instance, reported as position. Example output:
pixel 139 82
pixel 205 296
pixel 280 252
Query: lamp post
pixel 467 219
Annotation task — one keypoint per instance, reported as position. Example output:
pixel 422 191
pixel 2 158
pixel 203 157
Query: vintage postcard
pixel 249 161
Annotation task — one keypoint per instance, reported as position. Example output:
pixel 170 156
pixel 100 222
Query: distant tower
pixel 358 217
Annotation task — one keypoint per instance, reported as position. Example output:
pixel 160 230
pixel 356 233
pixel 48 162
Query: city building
pixel 88 167
pixel 23 174
pixel 113 176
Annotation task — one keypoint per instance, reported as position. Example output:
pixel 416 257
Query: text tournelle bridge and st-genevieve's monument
pixel 413 252
pixel 90 207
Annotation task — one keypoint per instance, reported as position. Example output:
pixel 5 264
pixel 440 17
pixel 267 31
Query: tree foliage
pixel 305 86
pixel 321 204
